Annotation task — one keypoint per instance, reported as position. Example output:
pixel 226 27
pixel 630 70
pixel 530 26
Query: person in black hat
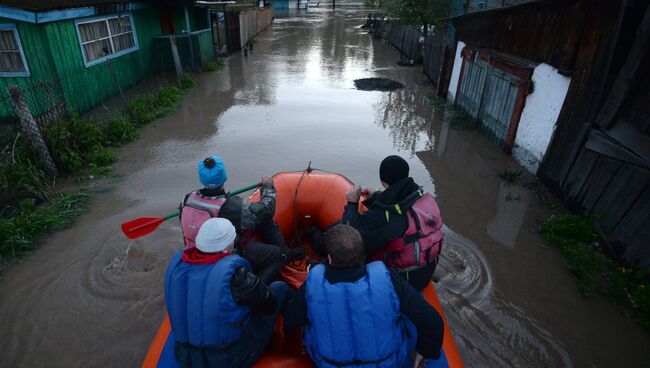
pixel 402 226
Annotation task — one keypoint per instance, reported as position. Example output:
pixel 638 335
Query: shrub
pixel 213 65
pixel 119 131
pixel 187 81
pixel 76 145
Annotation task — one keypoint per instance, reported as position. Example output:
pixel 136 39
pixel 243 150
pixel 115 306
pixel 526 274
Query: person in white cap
pixel 221 314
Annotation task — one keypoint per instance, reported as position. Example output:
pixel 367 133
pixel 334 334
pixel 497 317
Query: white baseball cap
pixel 215 235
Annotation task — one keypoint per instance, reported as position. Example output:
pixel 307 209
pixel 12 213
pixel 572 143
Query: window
pixel 12 58
pixel 106 37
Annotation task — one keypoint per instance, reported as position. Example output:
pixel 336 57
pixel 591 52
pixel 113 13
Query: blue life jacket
pixel 201 307
pixel 355 323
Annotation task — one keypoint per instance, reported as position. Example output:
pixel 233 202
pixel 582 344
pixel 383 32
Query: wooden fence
pixel 252 22
pixel 407 40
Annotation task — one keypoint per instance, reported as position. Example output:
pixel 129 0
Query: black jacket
pixel 246 215
pixel 427 321
pixel 247 290
pixel 383 223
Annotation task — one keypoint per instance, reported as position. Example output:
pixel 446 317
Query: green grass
pixel 512 196
pixel 147 108
pixel 20 232
pixel 213 65
pixel 79 148
pixel 20 171
pixel 510 176
pixel 595 273
pixel 460 119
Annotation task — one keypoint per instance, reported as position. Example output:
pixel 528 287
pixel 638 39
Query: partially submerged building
pixel 77 53
pixel 564 86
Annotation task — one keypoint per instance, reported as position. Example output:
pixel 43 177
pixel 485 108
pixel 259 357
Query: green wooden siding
pixel 40 90
pixel 205 45
pixel 58 72
pixel 85 88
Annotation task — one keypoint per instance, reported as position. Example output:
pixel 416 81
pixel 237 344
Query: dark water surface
pixel 91 298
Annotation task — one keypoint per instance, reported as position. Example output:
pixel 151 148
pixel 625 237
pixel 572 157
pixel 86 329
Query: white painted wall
pixel 540 114
pixel 455 72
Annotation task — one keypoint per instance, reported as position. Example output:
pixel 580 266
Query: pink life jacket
pixel 422 240
pixel 194 211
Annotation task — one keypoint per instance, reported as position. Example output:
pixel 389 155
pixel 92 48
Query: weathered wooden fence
pixel 407 40
pixel 252 22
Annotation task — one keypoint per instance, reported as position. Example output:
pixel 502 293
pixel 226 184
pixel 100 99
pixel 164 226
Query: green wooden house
pixel 77 53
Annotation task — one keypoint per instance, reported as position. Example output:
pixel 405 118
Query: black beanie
pixel 393 169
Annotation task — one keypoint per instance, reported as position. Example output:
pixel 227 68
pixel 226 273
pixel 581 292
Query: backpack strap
pixel 183 203
pixel 417 236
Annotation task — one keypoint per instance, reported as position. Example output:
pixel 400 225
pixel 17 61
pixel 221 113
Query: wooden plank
pixel 627 76
pixel 631 181
pixel 572 188
pixel 598 184
pixel 633 229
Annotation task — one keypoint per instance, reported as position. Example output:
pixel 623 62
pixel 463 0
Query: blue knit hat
pixel 212 172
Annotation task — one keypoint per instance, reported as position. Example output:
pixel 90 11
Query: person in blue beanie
pixel 198 206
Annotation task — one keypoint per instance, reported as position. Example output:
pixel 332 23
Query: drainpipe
pixel 189 37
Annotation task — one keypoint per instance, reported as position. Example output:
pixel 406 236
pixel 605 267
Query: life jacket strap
pixel 356 363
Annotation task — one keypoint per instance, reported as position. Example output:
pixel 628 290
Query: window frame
pixel 26 73
pixel 105 18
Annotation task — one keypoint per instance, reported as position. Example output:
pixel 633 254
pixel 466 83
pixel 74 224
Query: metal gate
pixel 489 96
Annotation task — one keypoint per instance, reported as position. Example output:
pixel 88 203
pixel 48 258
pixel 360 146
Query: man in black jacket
pixel 221 314
pixel 346 279
pixel 386 218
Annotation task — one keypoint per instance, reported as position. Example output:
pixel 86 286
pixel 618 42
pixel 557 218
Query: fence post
pixel 176 57
pixel 30 129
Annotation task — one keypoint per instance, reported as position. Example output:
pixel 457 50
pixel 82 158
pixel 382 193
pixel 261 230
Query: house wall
pixel 455 73
pixel 86 87
pixel 540 114
pixel 58 71
pixel 42 79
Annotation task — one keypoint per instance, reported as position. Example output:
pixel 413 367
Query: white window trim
pixel 110 37
pixel 26 73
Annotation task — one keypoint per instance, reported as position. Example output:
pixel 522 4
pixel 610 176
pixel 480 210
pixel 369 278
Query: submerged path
pixel 90 298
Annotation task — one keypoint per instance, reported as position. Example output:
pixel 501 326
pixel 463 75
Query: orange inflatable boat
pixel 303 199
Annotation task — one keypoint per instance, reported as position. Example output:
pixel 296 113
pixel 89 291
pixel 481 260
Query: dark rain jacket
pixel 246 216
pixel 383 223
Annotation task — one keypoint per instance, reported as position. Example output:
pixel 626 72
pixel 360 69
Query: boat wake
pixel 489 330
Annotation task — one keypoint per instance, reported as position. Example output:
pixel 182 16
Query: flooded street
pixel 89 297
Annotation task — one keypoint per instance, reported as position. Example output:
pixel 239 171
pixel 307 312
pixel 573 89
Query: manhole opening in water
pixel 377 84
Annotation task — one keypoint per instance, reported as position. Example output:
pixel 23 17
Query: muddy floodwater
pixel 89 297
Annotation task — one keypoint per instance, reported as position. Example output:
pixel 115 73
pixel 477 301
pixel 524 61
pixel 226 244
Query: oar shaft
pixel 245 189
pixel 230 194
pixel 146 224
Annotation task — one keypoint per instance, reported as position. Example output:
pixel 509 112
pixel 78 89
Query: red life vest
pixel 194 211
pixel 422 241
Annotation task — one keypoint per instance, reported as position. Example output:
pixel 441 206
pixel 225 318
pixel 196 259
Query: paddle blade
pixel 141 226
